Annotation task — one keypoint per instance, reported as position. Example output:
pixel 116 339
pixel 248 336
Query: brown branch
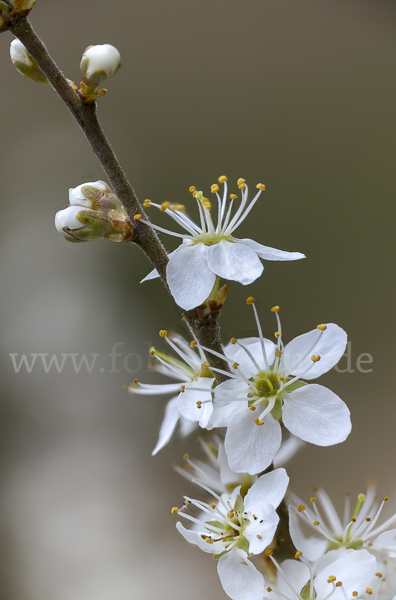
pixel 86 117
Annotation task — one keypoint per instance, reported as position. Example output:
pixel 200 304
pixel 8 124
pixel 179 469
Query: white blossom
pixel 357 529
pixel 265 386
pixel 192 392
pixel 235 528
pixel 345 578
pixel 24 63
pixel 209 252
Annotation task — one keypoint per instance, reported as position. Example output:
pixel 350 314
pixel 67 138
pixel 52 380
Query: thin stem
pixel 86 117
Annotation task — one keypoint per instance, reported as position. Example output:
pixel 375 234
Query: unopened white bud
pixel 99 63
pixel 23 6
pixel 95 213
pixel 24 63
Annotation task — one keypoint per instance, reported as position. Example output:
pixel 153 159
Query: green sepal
pixel 216 524
pixel 217 556
pixel 276 412
pixel 295 386
pixel 243 544
pixel 239 507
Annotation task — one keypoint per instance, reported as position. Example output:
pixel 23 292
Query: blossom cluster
pixel 255 412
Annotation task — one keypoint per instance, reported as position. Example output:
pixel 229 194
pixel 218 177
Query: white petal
pixel 186 427
pixel 261 529
pixel 188 399
pixel 194 537
pixel 316 415
pixel 268 253
pixel 355 569
pixel 152 275
pixel 251 448
pixel 227 476
pixel 239 577
pixel 268 489
pixel 330 348
pixel 297 574
pixel 231 388
pixel 386 541
pixel 168 425
pixel 311 547
pixel 234 261
pixel 68 218
pixel 189 278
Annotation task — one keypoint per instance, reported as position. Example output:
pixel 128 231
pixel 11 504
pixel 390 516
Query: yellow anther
pixel 233 340
pixel 165 205
pixel 198 195
pixel 135 381
pixel 222 179
pixel 331 579
pixel 205 366
pixel 215 188
pixel 199 403
pixel 174 510
pixel 253 408
pixel 213 505
pixel 313 499
pixel 268 552
pixel 269 589
pixel 180 207
pixel 163 333
pixel 259 537
pixel 186 456
pixel 192 189
pixel 278 353
pixel 369 591
pixel 315 358
pixel 137 217
pixel 241 181
pixel 277 334
pixel 378 574
pixel 230 514
pixel 322 327
pixel 368 519
pixel 250 300
pixel 208 539
pixel 260 186
pixel 353 519
pixel 152 352
pixel 355 594
pixel 242 186
pixel 316 523
pixel 147 203
pixel 298 554
pixel 207 205
pixel 281 378
pixel 235 365
pixel 385 498
pixel 233 196
pixel 183 388
pixel 258 422
pixel 275 309
pixel 193 344
pixel 301 507
pixel 339 584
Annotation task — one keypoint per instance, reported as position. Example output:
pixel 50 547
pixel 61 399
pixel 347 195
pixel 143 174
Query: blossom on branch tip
pixel 208 251
pixel 192 403
pixel 265 387
pixel 233 528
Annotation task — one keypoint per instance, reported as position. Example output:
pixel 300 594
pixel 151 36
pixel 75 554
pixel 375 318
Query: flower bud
pixel 98 64
pixel 23 6
pixel 24 63
pixel 95 213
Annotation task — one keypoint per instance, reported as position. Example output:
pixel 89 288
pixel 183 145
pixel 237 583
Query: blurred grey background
pixel 299 95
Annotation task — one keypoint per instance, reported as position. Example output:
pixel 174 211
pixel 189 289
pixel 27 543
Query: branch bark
pixel 86 117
